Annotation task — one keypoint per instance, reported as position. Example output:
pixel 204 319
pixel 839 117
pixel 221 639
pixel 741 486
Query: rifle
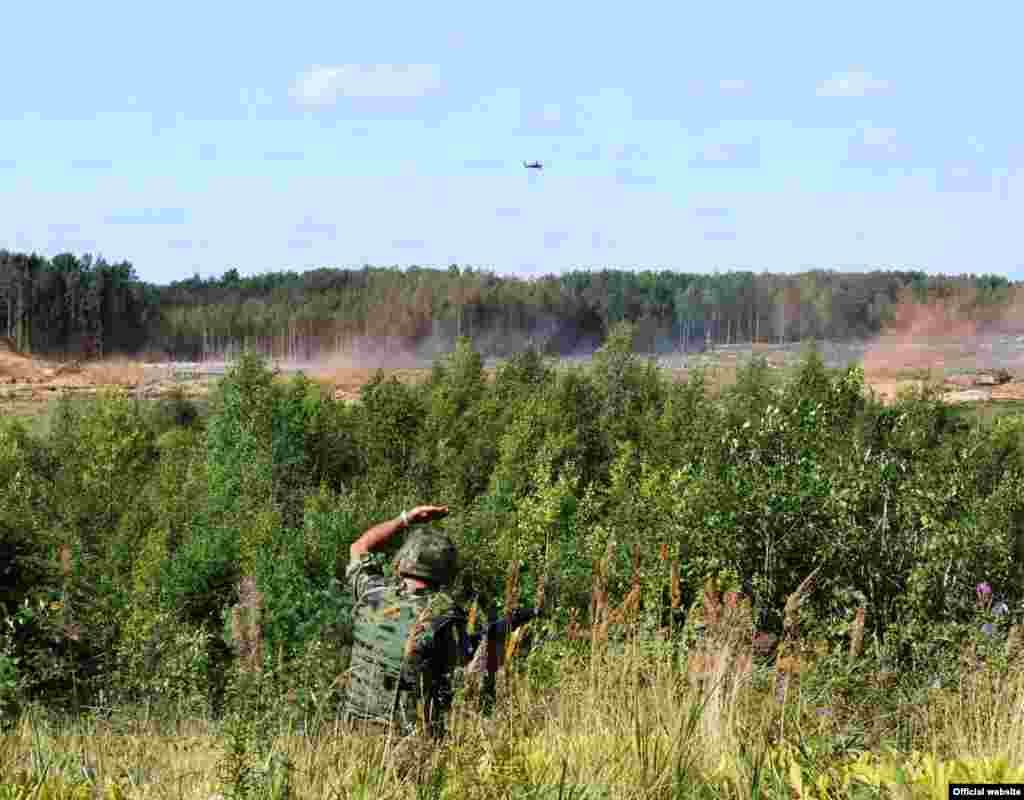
pixel 500 628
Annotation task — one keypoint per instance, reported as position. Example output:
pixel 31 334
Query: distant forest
pixel 71 305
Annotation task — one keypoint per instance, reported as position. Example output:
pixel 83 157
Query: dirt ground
pixel 27 385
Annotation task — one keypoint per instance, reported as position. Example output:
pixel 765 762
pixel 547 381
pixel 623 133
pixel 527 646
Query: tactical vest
pixel 381 686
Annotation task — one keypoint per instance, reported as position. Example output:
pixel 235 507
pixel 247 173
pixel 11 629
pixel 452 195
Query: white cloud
pixel 733 85
pixel 325 85
pixel 872 146
pixel 148 216
pixel 552 118
pixel 627 152
pixel 700 87
pixel 965 177
pixel 695 86
pixel 720 154
pixel 551 114
pixel 555 239
pixel 717 153
pixel 308 227
pixel 855 83
pixel 878 137
pixel 626 177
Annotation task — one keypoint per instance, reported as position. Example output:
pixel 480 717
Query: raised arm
pixel 374 537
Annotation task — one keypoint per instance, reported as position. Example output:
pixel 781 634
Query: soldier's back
pixel 405 644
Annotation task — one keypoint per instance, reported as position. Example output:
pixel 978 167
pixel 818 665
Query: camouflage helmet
pixel 427 556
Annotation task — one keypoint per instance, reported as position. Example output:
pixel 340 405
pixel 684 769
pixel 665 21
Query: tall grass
pixel 629 713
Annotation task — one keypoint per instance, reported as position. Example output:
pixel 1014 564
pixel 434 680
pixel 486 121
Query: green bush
pixel 904 507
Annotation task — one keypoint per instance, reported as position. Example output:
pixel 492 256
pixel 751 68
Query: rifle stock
pixel 501 627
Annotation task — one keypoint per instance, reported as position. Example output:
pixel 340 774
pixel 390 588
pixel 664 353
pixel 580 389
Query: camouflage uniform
pixel 408 642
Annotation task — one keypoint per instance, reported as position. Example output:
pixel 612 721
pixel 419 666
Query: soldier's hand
pixel 423 514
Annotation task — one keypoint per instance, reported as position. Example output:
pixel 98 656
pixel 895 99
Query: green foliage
pixel 166 663
pixel 250 768
pixel 27 512
pixel 562 420
pixel 452 455
pixel 10 679
pixel 331 446
pixel 105 453
pixel 240 437
pixel 175 411
pixel 388 422
pixel 629 390
pixel 904 507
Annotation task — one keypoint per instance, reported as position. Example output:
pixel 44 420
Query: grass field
pixel 630 706
pixel 619 719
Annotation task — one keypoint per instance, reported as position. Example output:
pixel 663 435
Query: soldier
pixel 410 635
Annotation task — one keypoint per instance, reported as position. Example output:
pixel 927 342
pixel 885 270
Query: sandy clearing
pixel 26 381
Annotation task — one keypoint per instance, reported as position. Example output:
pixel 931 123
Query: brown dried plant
pixel 857 634
pixel 631 604
pixel 712 602
pixel 246 630
pixel 574 631
pixel 793 656
pixel 791 621
pixel 512 588
pixel 724 656
pixel 542 593
pixel 1015 645
pixel 599 613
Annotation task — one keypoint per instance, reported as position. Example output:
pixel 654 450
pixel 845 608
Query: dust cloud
pixel 947 334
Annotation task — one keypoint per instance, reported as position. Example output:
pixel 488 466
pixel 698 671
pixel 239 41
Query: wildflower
pixel 984 592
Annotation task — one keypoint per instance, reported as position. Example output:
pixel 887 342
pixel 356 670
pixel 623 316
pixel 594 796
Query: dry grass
pixel 622 721
pixel 16 367
pixel 113 371
pixel 631 733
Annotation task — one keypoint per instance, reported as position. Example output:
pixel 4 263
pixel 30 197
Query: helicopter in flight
pixel 533 165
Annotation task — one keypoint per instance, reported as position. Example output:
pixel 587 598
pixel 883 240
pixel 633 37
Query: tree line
pixel 72 304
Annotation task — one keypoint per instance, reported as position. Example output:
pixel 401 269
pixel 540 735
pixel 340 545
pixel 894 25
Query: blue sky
pixel 195 137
